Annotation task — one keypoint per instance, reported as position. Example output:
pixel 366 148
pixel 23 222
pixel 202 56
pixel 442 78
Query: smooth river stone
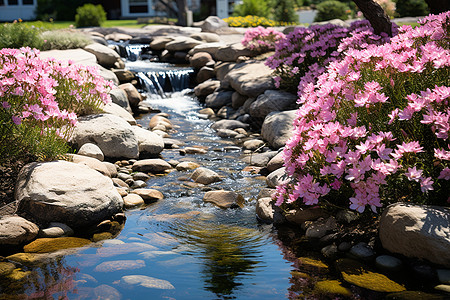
pixel 148 282
pixel 117 265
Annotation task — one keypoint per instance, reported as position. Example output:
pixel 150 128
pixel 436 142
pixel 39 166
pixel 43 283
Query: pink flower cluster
pixel 303 54
pixel 375 127
pixel 47 93
pixel 261 39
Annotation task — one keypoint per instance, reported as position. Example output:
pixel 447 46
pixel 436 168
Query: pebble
pixel 141 176
pixel 138 184
pixel 362 251
pixel 388 263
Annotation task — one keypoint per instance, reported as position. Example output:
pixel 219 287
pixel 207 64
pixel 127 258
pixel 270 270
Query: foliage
pixel 253 21
pixel 388 7
pixel 411 8
pixel 304 53
pixel 17 34
pixel 258 8
pixel 375 128
pixel 63 39
pixel 40 100
pixel 90 15
pixel 332 9
pixel 261 39
pixel 284 11
pixel 61 10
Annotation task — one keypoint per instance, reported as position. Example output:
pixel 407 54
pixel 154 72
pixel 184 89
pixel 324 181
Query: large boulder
pixel 224 199
pixel 417 231
pixel 112 134
pixel 149 142
pixel 182 43
pixel 160 42
pixel 250 78
pixel 207 37
pixel 218 99
pixel 66 192
pixel 210 48
pixel 119 97
pixel 106 56
pixel 205 176
pixel 206 88
pixel 134 97
pixel 272 100
pixel 229 124
pixel 232 52
pixel 15 230
pixel 117 110
pixel 223 68
pixel 277 128
pixel 213 24
pixel 151 165
pixel 200 59
pixel 90 162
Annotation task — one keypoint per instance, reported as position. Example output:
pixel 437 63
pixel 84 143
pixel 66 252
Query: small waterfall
pixel 134 51
pixel 160 82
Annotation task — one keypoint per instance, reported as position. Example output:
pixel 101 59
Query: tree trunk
pixel 373 12
pixel 438 6
pixel 182 12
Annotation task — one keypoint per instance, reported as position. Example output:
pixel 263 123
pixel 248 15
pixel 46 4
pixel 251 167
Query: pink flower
pixel 426 185
pixel 413 174
pixel 16 120
pixel 445 174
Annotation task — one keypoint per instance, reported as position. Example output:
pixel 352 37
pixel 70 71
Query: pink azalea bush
pixel 40 100
pixel 305 52
pixel 261 39
pixel 375 127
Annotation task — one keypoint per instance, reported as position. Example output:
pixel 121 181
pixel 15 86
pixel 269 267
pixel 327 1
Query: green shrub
pixel 90 15
pixel 17 35
pixel 63 39
pixel 411 8
pixel 284 11
pixel 258 8
pixel 332 9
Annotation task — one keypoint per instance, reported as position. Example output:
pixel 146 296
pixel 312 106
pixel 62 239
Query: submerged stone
pixel 310 263
pixel 148 282
pixel 416 295
pixel 331 287
pixel 117 265
pixel 6 268
pixel 45 245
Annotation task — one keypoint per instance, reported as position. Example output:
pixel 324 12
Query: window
pixel 138 6
pixel 28 2
pixel 13 2
pixel 2 2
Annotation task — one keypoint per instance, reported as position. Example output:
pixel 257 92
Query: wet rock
pixel 264 209
pixel 416 295
pixel 218 99
pixel 227 133
pixel 200 59
pixel 417 231
pixel 90 162
pixel 277 177
pixel 300 216
pixel 45 245
pixel 65 192
pixel 172 143
pixel 330 251
pixel 133 96
pixel 132 200
pixel 272 100
pixel 331 287
pixel 187 165
pixel 206 88
pixel 250 78
pixel 277 128
pixel 141 176
pixel 259 159
pixel 312 264
pixel 356 273
pixel 160 120
pixel 230 53
pixel 152 165
pixel 147 282
pixel 224 199
pixel 182 43
pixel 106 56
pixel 118 37
pixel 194 150
pixel 346 216
pixel 119 265
pixel 210 48
pixel 124 76
pixel 229 124
pixel 205 176
pixel 387 263
pixel 253 144
pixel 362 251
pixel 119 97
pixel 91 150
pixel 160 42
pixel 112 134
pixel 149 142
pixel 276 162
pixel 207 37
pixel 319 228
pixel 120 183
pixel 149 195
pixel 115 109
pixel 56 229
pixel 443 276
pixel 6 268
pixel 15 230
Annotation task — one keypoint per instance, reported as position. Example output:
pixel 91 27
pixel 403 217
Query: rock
pixel 417 231
pixel 55 229
pixel 356 273
pixel 264 210
pixel 259 159
pixel 253 144
pixel 15 230
pixel 160 42
pixel 6 268
pixel 346 216
pixel 222 69
pixel 331 287
pixel 134 97
pixel 213 24
pixel 443 288
pixel 111 168
pixel 140 176
pixel 124 76
pixel 205 176
pixel 315 265
pixel 132 200
pixel 276 162
pixel 65 192
pixel 187 165
pixel 206 37
pixel 443 276
pixel 206 88
pixel 172 143
pixel 160 120
pixel 250 78
pixel 416 295
pixel 205 73
pixel 389 264
pixel 362 251
pixel 344 247
pixel 149 195
pixel 106 56
pixel 272 100
pixel 226 133
pixel 300 216
pixel 229 124
pixel 230 53
pixel 112 134
pixel 118 37
pixel 138 184
pixel 193 150
pixel 149 142
pixel 117 110
pixel 200 59
pixel 90 162
pixel 318 229
pixel 91 150
pixel 45 245
pixel 225 112
pixel 120 183
pixel 218 99
pixel 238 100
pixel 210 48
pixel 182 43
pixel 224 199
pixel 152 165
pixel 119 265
pixel 277 128
pixel 147 282
pixel 330 251
pixel 119 97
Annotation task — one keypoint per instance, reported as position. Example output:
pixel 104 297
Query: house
pixel 17 9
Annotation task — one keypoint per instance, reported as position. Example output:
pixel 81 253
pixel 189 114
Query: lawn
pixel 66 24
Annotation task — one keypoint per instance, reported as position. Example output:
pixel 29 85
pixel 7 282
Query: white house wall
pixel 125 6
pixel 19 11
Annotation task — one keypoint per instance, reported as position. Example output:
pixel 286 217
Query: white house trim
pixel 127 8
pixel 9 11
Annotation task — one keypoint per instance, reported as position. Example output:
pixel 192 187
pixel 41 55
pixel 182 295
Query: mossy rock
pixel 416 295
pixel 6 268
pixel 356 273
pixel 18 274
pixel 27 258
pixel 331 287
pixel 46 245
pixel 102 236
pixel 298 274
pixel 312 264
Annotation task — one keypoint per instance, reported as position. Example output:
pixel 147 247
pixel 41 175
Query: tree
pixel 182 12
pixel 373 12
pixel 438 6
pixel 284 11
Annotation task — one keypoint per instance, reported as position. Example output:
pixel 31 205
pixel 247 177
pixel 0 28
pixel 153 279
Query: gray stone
pixel 15 230
pixel 227 133
pixel 218 99
pixel 147 282
pixel 117 110
pixel 66 192
pixel 152 165
pixel 277 128
pixel 111 168
pixel 91 150
pixel 250 78
pixel 138 184
pixel 56 229
pixel 277 177
pixel 160 42
pixel 229 124
pixel 346 216
pixel 182 43
pixel 417 231
pixel 276 162
pixel 264 209
pixel 132 200
pixel 210 48
pixel 106 56
pixel 206 37
pixel 140 176
pixel 362 251
pixel 112 134
pixel 134 97
pixel 205 73
pixel 253 144
pixel 238 100
pixel 206 88
pixel 149 142
pixel 318 229
pixel 224 199
pixel 272 100
pixel 205 176
pixel 119 97
pixel 259 159
pixel 119 265
pixel 388 263
pixel 200 59
pixel 90 162
pixel 223 68
pixel 230 53
pixel 330 251
pixel 213 24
